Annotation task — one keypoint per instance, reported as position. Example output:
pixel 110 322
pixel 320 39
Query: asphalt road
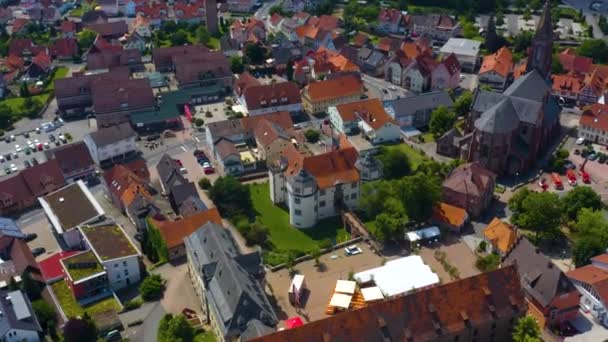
pixel 384 90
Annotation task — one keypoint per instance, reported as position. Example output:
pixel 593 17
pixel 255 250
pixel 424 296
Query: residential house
pixel 469 186
pixel 203 69
pixel 500 237
pixel 41 66
pixel 496 69
pixel 550 294
pixel 135 41
pixel 288 28
pixel 320 64
pixel 591 281
pixel 8 227
pixel 17 258
pixel 317 97
pixel 116 253
pixel 248 30
pixel 64 49
pixel 328 182
pixel 74 160
pixel 128 187
pixel 450 217
pixel 268 98
pixel 74 94
pixel 112 144
pixel 446 75
pixel 594 86
pixel 483 307
pixel 109 7
pixel 575 64
pixel 70 207
pixel 157 12
pixel 163 57
pixel 86 277
pixel 12 67
pixel 192 13
pixel 273 23
pixel 228 284
pixel 69 29
pixel 191 206
pixel 19 192
pixel 399 61
pixel 242 6
pixel 566 88
pixel 109 30
pixel 175 232
pixel 593 124
pixel 173 183
pixel 19 26
pixel 466 51
pixel 94 17
pixel 371 62
pixel 106 60
pixel 51 267
pixel 391 20
pixel 129 96
pixel 44 15
pixel 19 318
pixel 365 116
pixel 24 48
pixel 415 111
pixel 440 27
pixel 141 26
pixel 417 76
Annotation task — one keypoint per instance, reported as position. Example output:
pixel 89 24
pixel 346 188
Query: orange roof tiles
pixel 343 86
pixel 174 232
pixel 566 83
pixel 370 110
pixel 501 62
pixel 501 235
pixel 332 168
pixel 601 258
pixel 595 116
pixel 449 214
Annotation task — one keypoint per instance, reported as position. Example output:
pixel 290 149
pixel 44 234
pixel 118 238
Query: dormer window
pixel 273 101
pixel 263 102
pixel 284 99
pixel 124 105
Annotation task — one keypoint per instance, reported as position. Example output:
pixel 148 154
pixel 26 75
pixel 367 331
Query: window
pixel 298 212
pixel 115 265
pixel 297 200
pixel 118 276
pixel 353 196
pixel 322 204
pixel 126 272
pixel 322 192
pixel 124 263
pixel 353 186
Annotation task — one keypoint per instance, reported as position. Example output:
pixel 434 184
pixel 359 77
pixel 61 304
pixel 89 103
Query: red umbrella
pixel 294 322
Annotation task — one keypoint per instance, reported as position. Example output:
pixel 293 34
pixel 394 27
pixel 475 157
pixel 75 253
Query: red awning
pixel 188 113
pixel 294 322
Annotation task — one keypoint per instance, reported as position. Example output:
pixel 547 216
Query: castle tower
pixel 541 50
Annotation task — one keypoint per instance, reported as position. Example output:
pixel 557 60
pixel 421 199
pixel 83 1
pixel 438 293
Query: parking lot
pixel 320 281
pixel 458 254
pixel 35 222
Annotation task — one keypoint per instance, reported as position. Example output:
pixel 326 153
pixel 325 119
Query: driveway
pixel 35 221
pixel 151 314
pixel 458 254
pixel 590 330
pixel 179 292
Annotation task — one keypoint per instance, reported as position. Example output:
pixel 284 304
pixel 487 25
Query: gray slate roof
pixel 539 277
pixel 109 135
pixel 17 313
pixel 530 86
pixel 500 118
pixel 8 227
pixel 168 173
pixel 224 129
pixel 234 295
pixel 425 101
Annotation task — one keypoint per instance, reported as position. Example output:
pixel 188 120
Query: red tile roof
pixel 501 62
pixel 390 15
pixel 21 46
pixel 595 116
pixel 174 232
pixel 136 93
pixel 342 86
pixel 110 29
pixel 603 258
pixel 284 93
pixel 426 315
pixel 42 60
pixel 189 10
pixel 64 47
pixel 568 83
pixel 68 26
pixel 370 110
pixel 451 64
pixel 19 24
pixel 155 10
pixel 571 62
pixel 360 39
pixel 449 214
pixel 275 19
pixel 51 267
pixel 471 179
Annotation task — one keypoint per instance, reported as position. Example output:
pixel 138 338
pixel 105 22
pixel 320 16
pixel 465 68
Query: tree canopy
pixel 594 48
pixel 579 198
pixel 85 39
pixel 591 237
pixel 442 120
pixel 540 212
pixel 175 329
pixel 419 193
pixel 231 197
pixel 526 330
pixel 80 330
pixel 255 53
pixel 462 105
pixel 395 162
pixel 152 287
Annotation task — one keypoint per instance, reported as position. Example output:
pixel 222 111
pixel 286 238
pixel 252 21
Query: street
pixel 384 90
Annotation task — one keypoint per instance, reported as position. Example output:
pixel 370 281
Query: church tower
pixel 541 50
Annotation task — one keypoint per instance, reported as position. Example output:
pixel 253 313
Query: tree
pixel 80 330
pixel 152 287
pixel 179 38
pixel 390 224
pixel 231 197
pixel 256 234
pixel 255 53
pixel 198 122
pixel 442 120
pixel 419 193
pixel 276 9
pixel 204 183
pixel 315 253
pixel 289 70
pixel 594 48
pixel 30 286
pixel 488 263
pixel 395 162
pixel 44 312
pixel 579 198
pixel 373 195
pixel 542 213
pixel 556 65
pixel 312 135
pixel 175 329
pixel 85 39
pixel 522 41
pixel 24 90
pixel 462 105
pixel 526 330
pixel 591 237
pixel 202 35
pixel 516 203
pixel 236 65
pixel 493 41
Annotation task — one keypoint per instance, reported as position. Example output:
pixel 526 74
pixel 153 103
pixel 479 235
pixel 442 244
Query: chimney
pixel 61 199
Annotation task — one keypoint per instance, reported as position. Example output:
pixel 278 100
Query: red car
pixel 179 162
pixel 207 168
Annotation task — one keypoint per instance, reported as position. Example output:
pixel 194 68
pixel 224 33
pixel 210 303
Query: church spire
pixel 541 51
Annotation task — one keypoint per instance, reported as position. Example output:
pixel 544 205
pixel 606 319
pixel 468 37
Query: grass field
pixel 415 157
pixel 206 336
pixel 71 308
pixel 428 137
pixel 285 237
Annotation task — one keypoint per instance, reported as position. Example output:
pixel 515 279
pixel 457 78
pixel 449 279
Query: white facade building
pixel 466 51
pixel 111 144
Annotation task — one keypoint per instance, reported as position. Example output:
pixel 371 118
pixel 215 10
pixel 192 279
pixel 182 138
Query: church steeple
pixel 541 51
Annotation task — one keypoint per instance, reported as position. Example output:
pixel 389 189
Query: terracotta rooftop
pixel 426 315
pixel 449 214
pixel 371 111
pixel 595 116
pixel 174 232
pixel 501 235
pixel 277 94
pixel 329 169
pixel 571 62
pixel 567 83
pixel 501 62
pixel 603 258
pixel 339 87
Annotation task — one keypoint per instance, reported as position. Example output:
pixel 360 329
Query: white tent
pixel 296 283
pixel 340 300
pixel 400 275
pixel 345 286
pixel 372 293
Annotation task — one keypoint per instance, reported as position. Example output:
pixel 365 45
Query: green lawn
pixel 415 157
pixel 206 336
pixel 76 12
pixel 285 237
pixel 428 137
pixel 71 308
pixel 60 72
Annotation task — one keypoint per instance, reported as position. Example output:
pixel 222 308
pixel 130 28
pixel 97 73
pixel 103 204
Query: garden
pixel 71 308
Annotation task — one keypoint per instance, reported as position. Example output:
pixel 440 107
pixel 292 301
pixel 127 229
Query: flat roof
pixel 51 267
pixel 70 206
pixel 108 241
pixel 422 234
pixel 340 300
pixel 345 286
pixel 461 46
pixel 400 275
pixel 82 265
pixel 372 293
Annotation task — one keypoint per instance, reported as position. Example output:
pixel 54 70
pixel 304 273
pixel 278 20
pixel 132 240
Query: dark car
pixel 38 251
pixel 30 237
pixel 51 137
pixel 7 140
pixel 26 134
pixel 8 157
pixel 34 161
pixel 57 143
pixel 27 164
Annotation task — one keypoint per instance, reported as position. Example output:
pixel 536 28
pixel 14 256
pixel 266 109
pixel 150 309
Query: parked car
pixel 38 130
pixel 51 137
pixel 13 138
pixel 17 148
pixel 34 161
pixel 30 237
pixel 8 156
pixel 569 165
pixel 47 145
pixel 14 168
pixel 207 168
pixel 2 159
pixel 38 251
pixel 113 335
pixel 592 156
pixel 577 152
pixel 27 164
pixel 26 134
pixel 7 140
pixel 352 250
pixel 57 143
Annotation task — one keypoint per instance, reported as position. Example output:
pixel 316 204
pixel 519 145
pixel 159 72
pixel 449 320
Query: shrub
pixel 312 136
pixel 325 243
pixel 133 304
pixel 204 183
pixel 68 136
pixel 488 262
pixel 198 122
pixel 152 287
pixel 208 114
pixel 483 246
